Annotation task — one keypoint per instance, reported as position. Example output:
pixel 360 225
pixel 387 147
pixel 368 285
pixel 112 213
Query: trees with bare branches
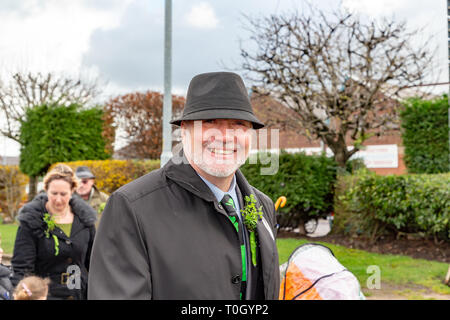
pixel 27 90
pixel 139 115
pixel 340 73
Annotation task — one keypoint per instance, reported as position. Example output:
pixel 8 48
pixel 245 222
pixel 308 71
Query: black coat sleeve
pixel 24 257
pixel 119 267
pixel 90 244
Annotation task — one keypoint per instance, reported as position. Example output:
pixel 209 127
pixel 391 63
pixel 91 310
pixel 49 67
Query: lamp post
pixel 447 277
pixel 167 103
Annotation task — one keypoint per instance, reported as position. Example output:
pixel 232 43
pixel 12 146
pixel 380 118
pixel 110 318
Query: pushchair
pixel 312 272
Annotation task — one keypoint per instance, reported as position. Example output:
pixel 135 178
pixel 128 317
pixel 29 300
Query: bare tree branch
pixel 27 90
pixel 341 74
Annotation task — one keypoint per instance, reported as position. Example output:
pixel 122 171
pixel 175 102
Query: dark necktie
pixel 229 206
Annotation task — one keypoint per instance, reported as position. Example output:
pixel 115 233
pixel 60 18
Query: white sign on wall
pixel 379 156
pixel 374 156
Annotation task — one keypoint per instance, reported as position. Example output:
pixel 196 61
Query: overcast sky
pixel 121 41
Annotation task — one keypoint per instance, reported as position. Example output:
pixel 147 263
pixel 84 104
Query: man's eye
pixel 241 124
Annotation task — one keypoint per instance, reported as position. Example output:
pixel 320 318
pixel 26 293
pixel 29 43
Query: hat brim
pixel 220 113
pixel 85 175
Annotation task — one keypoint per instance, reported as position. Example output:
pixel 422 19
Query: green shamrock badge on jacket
pixel 51 224
pixel 251 215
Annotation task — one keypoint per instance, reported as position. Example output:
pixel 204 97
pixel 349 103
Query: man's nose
pixel 226 131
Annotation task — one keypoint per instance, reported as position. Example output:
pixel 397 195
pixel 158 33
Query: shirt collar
pixel 218 193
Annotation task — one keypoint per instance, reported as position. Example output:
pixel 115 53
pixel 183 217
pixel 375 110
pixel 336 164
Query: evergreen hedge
pixel 306 181
pixel 374 205
pixel 426 135
pixel 52 133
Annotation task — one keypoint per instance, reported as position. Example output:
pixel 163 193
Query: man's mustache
pixel 221 145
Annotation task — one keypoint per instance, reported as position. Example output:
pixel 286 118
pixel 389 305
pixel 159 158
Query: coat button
pixel 236 279
pixel 69 260
pixel 70 298
pixel 68 241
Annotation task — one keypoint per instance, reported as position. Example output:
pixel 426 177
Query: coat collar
pixel 32 213
pixel 181 172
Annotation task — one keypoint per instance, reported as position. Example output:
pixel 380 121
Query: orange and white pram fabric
pixel 313 273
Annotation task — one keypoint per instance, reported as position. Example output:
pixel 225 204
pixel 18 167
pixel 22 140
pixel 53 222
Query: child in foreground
pixel 32 288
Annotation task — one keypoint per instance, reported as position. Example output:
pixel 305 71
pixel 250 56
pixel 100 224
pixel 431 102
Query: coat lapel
pixel 185 176
pixel 77 226
pixel 266 240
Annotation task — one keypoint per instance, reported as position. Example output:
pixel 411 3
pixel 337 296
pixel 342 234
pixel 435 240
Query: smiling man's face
pixel 216 147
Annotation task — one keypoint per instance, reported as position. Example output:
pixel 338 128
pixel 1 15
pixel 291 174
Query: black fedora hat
pixel 218 95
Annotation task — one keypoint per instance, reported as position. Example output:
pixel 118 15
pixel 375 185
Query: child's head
pixel 32 288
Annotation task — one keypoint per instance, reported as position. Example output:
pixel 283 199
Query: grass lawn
pixel 8 236
pixel 395 269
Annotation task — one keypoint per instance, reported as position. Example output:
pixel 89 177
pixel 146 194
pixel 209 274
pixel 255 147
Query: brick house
pixel 383 155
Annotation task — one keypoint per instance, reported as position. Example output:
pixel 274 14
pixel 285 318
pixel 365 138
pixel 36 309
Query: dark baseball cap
pixel 83 172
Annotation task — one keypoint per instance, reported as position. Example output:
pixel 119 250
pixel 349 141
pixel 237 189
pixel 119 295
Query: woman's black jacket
pixel 65 260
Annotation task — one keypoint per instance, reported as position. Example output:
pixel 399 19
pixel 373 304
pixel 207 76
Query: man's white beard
pixel 225 170
pixel 219 172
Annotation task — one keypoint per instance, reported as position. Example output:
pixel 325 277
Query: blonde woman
pixel 55 237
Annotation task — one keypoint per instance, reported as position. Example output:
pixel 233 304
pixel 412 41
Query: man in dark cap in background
pixel 194 229
pixel 89 192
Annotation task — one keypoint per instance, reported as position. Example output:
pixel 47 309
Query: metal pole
pixel 448 96
pixel 167 103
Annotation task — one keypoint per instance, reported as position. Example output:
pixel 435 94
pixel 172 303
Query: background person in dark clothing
pixel 55 237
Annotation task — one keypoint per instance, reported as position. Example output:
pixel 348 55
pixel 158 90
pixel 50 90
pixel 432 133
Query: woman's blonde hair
pixel 32 288
pixel 61 172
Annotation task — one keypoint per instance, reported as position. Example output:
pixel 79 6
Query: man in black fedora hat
pixel 194 229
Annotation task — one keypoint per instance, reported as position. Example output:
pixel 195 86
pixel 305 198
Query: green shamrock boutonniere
pixel 251 215
pixel 101 207
pixel 51 224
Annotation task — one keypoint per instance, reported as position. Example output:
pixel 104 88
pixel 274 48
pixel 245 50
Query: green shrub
pixel 306 181
pixel 377 205
pixel 425 135
pixel 112 174
pixel 53 133
pixel 12 191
